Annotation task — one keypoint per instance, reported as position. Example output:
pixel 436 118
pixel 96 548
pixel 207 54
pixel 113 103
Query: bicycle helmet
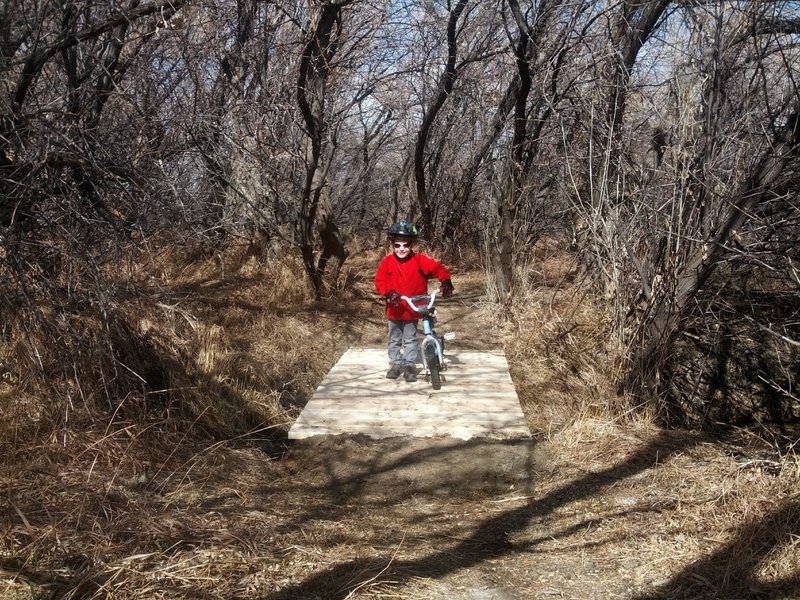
pixel 403 229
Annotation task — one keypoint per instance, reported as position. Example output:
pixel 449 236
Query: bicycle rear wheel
pixel 432 360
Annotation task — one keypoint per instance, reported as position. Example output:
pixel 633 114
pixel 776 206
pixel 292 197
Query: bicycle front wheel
pixel 432 360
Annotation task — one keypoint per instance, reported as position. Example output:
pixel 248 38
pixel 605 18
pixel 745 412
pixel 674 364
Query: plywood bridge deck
pixel 477 399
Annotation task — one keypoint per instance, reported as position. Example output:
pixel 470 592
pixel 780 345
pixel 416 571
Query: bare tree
pixel 54 34
pixel 444 89
pixel 543 34
pixel 664 318
pixel 659 250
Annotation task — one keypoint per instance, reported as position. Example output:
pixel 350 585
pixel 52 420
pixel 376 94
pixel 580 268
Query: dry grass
pixel 558 343
pixel 144 501
pixel 670 515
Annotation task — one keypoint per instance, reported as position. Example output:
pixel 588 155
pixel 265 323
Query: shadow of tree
pixel 730 571
pixel 492 538
pixel 425 468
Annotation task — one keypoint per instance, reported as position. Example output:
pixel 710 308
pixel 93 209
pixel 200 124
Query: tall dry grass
pixel 225 344
pixel 731 504
pixel 560 346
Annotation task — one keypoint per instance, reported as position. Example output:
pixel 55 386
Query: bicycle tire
pixel 432 361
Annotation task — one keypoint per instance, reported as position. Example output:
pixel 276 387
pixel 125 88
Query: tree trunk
pixel 509 202
pixel 445 87
pixel 634 27
pixel 333 245
pixel 490 136
pixel 315 66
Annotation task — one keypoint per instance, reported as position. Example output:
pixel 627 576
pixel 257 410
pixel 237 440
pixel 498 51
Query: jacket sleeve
pixel 433 268
pixel 382 279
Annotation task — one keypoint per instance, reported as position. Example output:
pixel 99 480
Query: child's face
pixel 401 247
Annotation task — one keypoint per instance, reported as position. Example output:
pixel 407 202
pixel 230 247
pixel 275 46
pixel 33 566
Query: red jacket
pixel 408 278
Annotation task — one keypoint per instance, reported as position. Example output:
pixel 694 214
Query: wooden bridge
pixel 477 400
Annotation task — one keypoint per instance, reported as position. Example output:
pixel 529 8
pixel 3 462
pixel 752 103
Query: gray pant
pixel 403 335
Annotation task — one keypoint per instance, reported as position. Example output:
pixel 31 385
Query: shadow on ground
pixel 513 466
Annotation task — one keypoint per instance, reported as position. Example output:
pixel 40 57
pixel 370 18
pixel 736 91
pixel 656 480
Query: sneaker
pixel 410 373
pixel 394 372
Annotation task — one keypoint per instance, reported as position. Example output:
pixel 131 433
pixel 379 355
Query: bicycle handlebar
pixel 424 309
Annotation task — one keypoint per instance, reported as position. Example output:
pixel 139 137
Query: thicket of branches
pixel 660 136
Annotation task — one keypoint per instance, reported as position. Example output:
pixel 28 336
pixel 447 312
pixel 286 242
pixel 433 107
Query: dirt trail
pixel 351 517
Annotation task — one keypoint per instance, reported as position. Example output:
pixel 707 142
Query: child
pixel 406 273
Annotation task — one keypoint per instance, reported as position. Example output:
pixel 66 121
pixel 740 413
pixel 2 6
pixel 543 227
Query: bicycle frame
pixel 432 346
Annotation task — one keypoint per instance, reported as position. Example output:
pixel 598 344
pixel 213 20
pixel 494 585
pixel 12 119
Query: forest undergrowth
pixel 186 486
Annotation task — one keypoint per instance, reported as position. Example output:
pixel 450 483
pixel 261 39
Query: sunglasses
pixel 401 245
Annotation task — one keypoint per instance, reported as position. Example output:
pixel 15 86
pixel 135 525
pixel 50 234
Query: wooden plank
pixel 477 399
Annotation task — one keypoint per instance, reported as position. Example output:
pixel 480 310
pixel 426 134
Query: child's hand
pixel 393 298
pixel 446 288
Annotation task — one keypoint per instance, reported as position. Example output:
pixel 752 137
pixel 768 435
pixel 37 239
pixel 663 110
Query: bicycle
pixel 432 346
